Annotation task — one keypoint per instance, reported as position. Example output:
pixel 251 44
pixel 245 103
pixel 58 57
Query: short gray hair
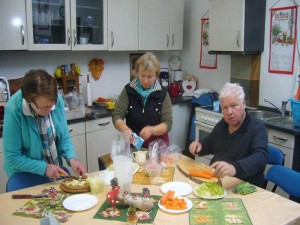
pixel 232 88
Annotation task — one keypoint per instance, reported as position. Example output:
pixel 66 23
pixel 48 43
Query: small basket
pixel 295 105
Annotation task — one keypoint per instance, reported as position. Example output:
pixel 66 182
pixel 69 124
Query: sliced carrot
pixel 209 172
pixel 171 195
pixel 196 173
pixel 165 197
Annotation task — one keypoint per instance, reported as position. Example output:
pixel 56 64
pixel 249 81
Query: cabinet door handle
pixel 75 37
pixel 22 34
pixel 70 130
pixel 238 39
pixel 69 36
pixel 279 138
pixel 112 38
pixel 173 41
pixel 103 124
pixel 167 40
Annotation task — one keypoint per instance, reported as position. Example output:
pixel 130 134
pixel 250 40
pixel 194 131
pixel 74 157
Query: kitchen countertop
pixel 98 112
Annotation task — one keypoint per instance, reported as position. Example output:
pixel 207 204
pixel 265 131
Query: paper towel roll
pixel 89 94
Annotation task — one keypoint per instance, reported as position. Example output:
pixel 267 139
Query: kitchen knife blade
pixel 23 196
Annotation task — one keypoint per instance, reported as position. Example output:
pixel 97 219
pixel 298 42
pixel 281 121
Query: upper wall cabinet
pixel 123 20
pixel 67 24
pixel 237 26
pixel 161 24
pixel 13 25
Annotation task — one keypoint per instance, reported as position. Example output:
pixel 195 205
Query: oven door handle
pixel 206 125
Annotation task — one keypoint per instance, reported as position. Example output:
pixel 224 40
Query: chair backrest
pixel 104 161
pixel 24 180
pixel 276 157
pixel 286 178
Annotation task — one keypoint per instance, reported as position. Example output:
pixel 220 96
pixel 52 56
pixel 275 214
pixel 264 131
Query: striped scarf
pixel 48 134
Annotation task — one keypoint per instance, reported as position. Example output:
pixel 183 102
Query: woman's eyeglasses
pixel 41 109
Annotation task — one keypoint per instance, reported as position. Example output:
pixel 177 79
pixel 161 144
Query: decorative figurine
pixel 144 203
pixel 112 196
pixel 52 195
pixel 131 215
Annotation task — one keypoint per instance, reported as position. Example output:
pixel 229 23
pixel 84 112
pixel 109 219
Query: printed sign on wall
pixel 206 60
pixel 283 33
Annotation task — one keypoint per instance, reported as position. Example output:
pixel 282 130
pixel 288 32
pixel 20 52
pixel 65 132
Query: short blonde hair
pixel 149 62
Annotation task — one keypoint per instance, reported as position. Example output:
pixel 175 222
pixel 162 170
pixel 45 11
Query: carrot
pixel 176 203
pixel 196 173
pixel 207 171
pixel 171 195
pixel 164 198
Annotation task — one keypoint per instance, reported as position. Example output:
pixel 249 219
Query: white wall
pixel 14 64
pixel 194 10
pixel 276 87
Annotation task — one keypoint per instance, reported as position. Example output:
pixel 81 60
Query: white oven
pixel 204 123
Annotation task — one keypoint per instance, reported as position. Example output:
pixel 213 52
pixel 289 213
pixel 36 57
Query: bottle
pixel 131 215
pixel 297 96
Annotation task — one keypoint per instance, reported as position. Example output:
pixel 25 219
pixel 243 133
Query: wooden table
pixel 263 207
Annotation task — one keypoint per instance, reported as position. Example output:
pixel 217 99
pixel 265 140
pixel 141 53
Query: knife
pixel 23 196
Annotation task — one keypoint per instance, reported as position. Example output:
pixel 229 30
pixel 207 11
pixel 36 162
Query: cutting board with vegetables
pixel 190 166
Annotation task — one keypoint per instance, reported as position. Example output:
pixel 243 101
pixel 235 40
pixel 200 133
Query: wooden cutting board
pixel 185 165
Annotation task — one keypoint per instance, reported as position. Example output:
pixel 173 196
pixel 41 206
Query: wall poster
pixel 283 23
pixel 206 60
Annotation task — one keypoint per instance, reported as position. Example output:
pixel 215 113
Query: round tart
pixel 75 185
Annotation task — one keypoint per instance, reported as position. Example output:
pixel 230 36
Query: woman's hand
pixel 78 167
pixel 54 172
pixel 223 169
pixel 147 132
pixel 195 147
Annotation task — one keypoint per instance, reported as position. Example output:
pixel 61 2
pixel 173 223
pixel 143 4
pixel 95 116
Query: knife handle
pixel 21 196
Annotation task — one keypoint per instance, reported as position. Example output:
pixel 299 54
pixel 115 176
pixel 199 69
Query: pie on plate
pixel 75 185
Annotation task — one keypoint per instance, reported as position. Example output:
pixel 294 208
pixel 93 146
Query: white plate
pixel 180 188
pixel 188 202
pixel 205 197
pixel 109 174
pixel 80 202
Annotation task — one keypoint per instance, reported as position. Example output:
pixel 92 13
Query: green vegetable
pixel 210 190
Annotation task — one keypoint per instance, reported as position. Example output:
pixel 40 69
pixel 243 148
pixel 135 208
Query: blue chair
pixel 24 180
pixel 285 178
pixel 276 157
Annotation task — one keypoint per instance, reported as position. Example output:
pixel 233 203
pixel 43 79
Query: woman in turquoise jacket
pixel 35 133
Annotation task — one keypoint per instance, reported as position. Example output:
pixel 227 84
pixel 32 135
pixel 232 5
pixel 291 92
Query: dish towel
pixel 244 189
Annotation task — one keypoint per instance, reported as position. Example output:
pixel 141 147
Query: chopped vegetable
pixel 164 198
pixel 210 190
pixel 196 173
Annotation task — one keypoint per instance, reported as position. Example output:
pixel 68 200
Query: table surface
pixel 263 207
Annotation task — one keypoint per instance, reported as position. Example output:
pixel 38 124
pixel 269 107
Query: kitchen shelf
pixel 68 83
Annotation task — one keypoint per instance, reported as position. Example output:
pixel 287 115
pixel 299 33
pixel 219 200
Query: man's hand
pixel 195 147
pixel 223 169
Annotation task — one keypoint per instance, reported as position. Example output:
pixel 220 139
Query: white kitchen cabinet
pixel 285 142
pixel 237 26
pixel 99 134
pixel 3 176
pixel 161 24
pixel 67 24
pixel 13 25
pixel 179 131
pixel 123 20
pixel 77 133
